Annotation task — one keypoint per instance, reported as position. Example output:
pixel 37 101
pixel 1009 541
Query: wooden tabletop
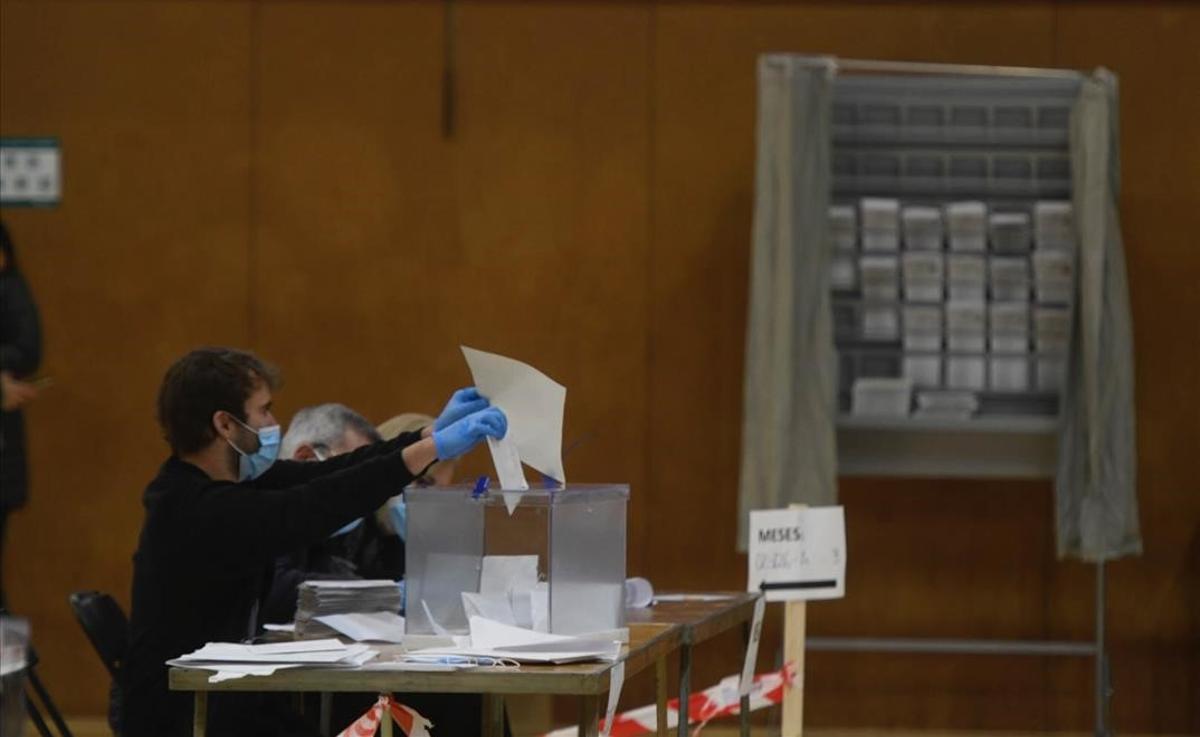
pixel 701 617
pixel 648 641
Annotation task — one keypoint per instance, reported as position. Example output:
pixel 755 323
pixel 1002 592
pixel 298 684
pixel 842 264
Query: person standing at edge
pixel 221 509
pixel 20 353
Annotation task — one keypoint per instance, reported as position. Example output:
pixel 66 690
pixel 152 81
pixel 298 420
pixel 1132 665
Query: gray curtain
pixel 789 412
pixel 1096 485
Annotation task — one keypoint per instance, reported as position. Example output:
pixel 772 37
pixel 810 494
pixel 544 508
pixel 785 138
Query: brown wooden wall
pixel 275 175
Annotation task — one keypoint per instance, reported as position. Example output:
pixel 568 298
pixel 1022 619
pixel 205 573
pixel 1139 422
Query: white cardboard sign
pixel 798 554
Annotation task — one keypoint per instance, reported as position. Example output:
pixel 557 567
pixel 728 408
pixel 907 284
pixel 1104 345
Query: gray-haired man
pixel 326 430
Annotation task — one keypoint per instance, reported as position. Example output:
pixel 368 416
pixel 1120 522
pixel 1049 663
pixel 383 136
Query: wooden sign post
pixel 794 622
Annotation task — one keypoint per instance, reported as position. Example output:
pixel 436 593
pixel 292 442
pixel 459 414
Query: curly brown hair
pixel 205 381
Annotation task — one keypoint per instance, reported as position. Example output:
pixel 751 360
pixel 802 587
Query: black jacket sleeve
pixel 291 473
pixel 20 331
pixel 239 526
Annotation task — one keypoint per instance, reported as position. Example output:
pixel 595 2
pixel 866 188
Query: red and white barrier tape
pixel 718 701
pixel 408 719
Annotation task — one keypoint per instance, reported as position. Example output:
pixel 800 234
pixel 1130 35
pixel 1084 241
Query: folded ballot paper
pixel 232 660
pixel 317 600
pixel 510 593
pixel 533 404
pixel 493 641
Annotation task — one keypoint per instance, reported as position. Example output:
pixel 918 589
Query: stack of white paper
pixel 234 660
pixel 318 599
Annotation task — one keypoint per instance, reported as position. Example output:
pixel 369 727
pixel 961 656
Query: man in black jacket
pixel 220 510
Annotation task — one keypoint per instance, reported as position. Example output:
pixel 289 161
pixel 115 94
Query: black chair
pixel 32 708
pixel 108 630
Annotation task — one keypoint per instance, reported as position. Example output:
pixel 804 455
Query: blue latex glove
pixel 463 435
pixel 462 403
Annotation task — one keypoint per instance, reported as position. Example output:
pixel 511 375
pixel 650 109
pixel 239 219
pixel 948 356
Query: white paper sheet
pixel 325 658
pixel 315 652
pixel 511 500
pixel 233 671
pixel 230 649
pixel 491 639
pixel 533 404
pixel 232 660
pixel 490 634
pixel 230 671
pixel 497 607
pixel 502 574
pixel 361 658
pixel 367 626
pixel 507 461
pixel 522 608
pixel 581 649
pixel 692 597
pixel 352 583
pixel 748 663
pixel 616 679
pixel 539 601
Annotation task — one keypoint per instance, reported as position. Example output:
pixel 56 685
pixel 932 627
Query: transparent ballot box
pixel 554 562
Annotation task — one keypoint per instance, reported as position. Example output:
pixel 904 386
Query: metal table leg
pixel 744 701
pixel 1102 685
pixel 326 717
pixel 200 715
pixel 589 710
pixel 493 715
pixel 685 678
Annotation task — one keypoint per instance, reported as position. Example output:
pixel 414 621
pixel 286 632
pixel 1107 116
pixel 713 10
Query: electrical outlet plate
pixel 30 172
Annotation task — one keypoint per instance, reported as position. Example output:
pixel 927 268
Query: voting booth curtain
pixel 790 390
pixel 1096 484
pixel 789 417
